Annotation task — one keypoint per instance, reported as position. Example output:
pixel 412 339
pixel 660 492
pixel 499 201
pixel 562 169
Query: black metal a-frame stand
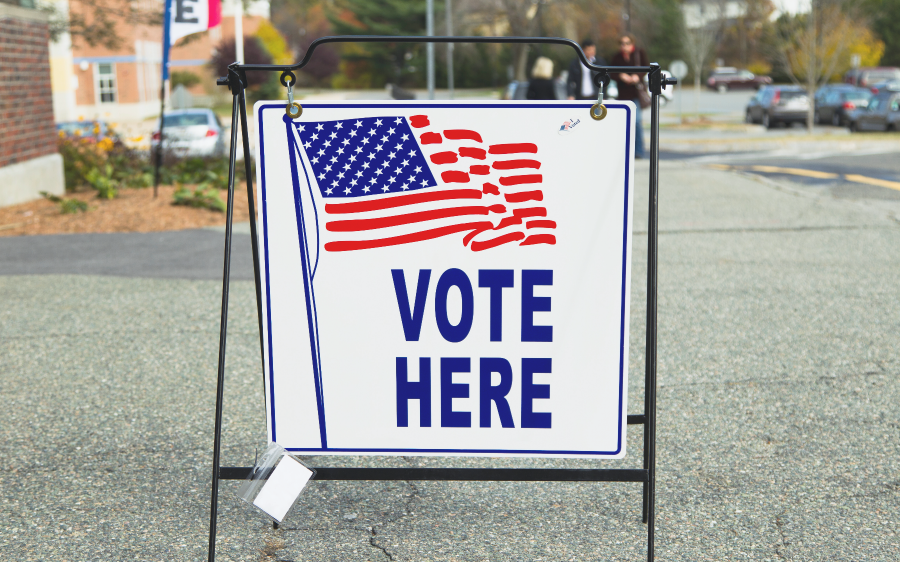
pixel 237 82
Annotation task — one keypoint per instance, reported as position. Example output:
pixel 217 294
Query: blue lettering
pixel 496 279
pixel 412 320
pixel 420 391
pixel 449 391
pixel 532 304
pixel 496 394
pixel 451 278
pixel 531 391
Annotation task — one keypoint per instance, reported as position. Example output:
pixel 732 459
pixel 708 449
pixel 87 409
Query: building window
pixel 106 82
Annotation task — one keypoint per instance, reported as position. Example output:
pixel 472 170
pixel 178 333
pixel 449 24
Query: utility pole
pixel 627 16
pixel 449 48
pixel 429 22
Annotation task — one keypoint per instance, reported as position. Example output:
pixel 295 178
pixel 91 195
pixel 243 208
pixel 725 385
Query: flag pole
pixel 162 94
pixel 239 31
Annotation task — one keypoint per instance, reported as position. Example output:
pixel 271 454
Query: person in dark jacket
pixel 580 84
pixel 541 86
pixel 630 54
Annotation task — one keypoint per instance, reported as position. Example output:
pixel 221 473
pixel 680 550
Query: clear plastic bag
pixel 276 482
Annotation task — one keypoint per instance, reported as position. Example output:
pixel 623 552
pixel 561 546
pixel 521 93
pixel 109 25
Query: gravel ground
pixel 778 420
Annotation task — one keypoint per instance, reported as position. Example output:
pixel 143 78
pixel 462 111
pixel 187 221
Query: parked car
pixel 727 78
pixel 891 85
pixel 92 130
pixel 834 105
pixel 776 105
pixel 517 90
pixel 868 75
pixel 192 132
pixel 882 114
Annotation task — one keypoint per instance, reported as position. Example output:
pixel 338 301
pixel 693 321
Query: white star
pixel 358 149
pixel 332 135
pixel 340 175
pixel 315 160
pixel 340 150
pixel 358 174
pixel 307 144
pixel 398 170
pixel 392 179
pixel 384 138
pixel 358 124
pixel 385 188
pixel 418 169
pixel 327 144
pixel 398 147
pixel 314 136
pixel 319 127
pixel 405 186
pixel 412 153
pixel 328 168
pixel 365 141
pixel 321 152
pixel 365 165
pixel 353 182
pixel 353 133
pixel 372 181
pixel 346 166
pixel 378 123
pixel 301 128
pixel 378 172
pixel 390 131
pixel 424 183
pixel 385 164
pixel 328 191
pixel 392 155
pixel 398 121
pixel 404 163
pixel 321 176
pixel 353 158
pixel 345 142
pixel 404 137
pixel 378 148
pixel 371 156
pixel 347 191
pixel 334 183
pixel 333 159
pixel 339 125
pixel 412 179
pixel 366 189
pixel 371 132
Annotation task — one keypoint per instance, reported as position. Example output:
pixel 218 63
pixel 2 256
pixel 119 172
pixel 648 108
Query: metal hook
pixel 598 110
pixel 293 109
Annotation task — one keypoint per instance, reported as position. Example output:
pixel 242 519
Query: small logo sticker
pixel 568 126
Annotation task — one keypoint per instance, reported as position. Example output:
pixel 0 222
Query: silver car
pixel 192 132
pixel 883 114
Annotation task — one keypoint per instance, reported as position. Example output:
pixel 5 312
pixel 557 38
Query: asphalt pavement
pixel 779 356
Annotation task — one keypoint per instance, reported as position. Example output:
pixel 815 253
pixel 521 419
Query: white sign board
pixel 446 278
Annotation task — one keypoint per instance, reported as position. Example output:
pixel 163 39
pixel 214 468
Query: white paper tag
pixel 282 488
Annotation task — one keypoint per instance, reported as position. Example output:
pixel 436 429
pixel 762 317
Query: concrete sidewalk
pixel 779 356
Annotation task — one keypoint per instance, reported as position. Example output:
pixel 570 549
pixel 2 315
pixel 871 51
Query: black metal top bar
pixel 465 474
pixel 438 39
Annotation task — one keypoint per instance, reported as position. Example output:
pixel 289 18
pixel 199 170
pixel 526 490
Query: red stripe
pixel 469 152
pixel 540 224
pixel 488 244
pixel 356 225
pixel 401 201
pixel 491 188
pixel 430 138
pixel 419 121
pixel 348 245
pixel 508 221
pixel 448 157
pixel 462 134
pixel 539 239
pixel 523 196
pixel 214 15
pixel 530 212
pixel 479 170
pixel 473 234
pixel 513 148
pixel 516 180
pixel 516 164
pixel 454 176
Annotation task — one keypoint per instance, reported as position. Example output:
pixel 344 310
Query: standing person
pixel 541 86
pixel 630 54
pixel 580 84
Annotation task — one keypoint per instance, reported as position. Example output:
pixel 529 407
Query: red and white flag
pixel 192 16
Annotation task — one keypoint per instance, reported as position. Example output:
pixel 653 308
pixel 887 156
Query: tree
pixel 813 46
pixel 254 53
pixel 94 21
pixel 700 34
pixel 885 18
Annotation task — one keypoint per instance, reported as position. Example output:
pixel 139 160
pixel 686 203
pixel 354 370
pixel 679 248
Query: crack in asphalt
pixel 782 543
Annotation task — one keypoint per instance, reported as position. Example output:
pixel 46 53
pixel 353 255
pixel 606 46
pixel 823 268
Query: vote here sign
pixel 446 278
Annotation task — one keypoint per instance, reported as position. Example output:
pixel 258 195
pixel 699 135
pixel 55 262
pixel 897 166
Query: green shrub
pixel 66 206
pixel 204 197
pixel 102 180
pixel 184 78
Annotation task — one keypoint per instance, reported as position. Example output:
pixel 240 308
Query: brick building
pixel 29 160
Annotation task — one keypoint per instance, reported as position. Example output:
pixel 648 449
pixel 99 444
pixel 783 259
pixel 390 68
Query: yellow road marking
pixel 720 166
pixel 795 172
pixel 873 181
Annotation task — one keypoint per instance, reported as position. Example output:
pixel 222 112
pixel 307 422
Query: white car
pixel 192 132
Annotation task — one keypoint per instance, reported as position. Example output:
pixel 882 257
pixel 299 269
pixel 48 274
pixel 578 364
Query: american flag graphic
pixel 396 180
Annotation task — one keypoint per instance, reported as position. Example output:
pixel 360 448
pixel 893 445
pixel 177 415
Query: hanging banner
pixel 184 17
pixel 446 278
